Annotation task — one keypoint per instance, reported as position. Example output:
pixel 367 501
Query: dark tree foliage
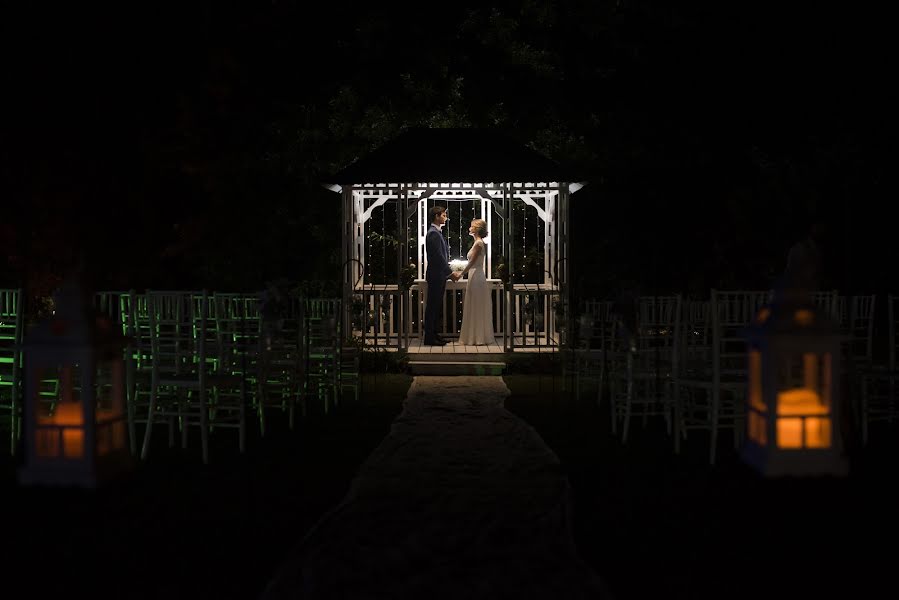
pixel 184 145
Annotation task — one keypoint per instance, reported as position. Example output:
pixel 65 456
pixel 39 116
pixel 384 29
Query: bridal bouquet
pixel 457 264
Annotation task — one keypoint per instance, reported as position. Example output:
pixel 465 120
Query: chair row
pixel 686 362
pixel 200 360
pixel 204 360
pixel 11 330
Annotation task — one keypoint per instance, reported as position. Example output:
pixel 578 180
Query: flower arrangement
pixel 559 310
pixel 407 276
pixel 501 272
pixel 457 264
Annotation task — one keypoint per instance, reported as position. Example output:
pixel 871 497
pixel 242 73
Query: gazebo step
pixel 456 357
pixel 456 367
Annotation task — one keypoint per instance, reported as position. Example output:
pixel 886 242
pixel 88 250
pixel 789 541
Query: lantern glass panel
pixel 758 412
pixel 804 401
pixel 60 424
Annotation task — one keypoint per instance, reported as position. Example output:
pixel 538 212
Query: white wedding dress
pixel 477 308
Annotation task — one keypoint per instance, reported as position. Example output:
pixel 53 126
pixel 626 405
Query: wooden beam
pixel 381 188
pixel 531 202
pixel 379 202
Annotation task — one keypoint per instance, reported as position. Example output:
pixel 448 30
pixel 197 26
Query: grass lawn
pixel 656 524
pixel 649 522
pixel 176 529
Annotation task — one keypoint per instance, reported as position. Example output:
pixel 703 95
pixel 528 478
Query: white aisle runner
pixel 461 500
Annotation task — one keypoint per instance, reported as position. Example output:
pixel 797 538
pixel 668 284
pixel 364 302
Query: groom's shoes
pixel 434 343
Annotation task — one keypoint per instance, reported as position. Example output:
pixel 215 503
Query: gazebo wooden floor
pixel 453 347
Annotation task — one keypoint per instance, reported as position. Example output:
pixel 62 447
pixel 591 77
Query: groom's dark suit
pixel 435 276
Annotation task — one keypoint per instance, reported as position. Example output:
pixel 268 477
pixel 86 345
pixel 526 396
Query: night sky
pixel 182 146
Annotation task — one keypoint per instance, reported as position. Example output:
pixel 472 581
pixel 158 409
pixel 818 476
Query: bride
pixel 477 311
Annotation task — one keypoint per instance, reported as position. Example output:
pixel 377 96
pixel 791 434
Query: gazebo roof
pixel 451 155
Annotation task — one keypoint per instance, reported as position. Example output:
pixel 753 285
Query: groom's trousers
pixel 433 308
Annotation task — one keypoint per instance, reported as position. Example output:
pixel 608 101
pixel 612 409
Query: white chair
pixel 695 355
pixel 713 398
pixel 828 303
pixel 879 398
pixel 842 311
pixel 651 364
pixel 861 330
pixel 595 328
pixel 282 363
pixel 321 345
pixel 857 348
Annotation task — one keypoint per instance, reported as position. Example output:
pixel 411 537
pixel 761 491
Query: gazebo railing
pixel 386 315
pixel 378 314
pixel 533 317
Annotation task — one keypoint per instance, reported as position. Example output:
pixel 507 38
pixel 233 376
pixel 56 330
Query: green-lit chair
pixel 322 350
pixel 135 311
pixel 186 389
pixel 234 321
pixel 11 325
pixel 114 304
pixel 319 308
pixel 350 367
pixel 118 306
pixel 282 364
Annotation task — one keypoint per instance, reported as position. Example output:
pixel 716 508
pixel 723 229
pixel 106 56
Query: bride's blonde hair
pixel 480 227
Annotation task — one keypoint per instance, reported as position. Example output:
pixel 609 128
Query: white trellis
pixel 528 311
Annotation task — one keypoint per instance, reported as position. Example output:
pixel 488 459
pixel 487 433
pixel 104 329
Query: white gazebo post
pixel 509 254
pixel 351 269
pixel 562 259
pixel 402 259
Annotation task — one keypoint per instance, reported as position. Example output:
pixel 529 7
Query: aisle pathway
pixel 461 500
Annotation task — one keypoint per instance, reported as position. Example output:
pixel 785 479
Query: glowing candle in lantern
pixel 67 414
pixel 800 411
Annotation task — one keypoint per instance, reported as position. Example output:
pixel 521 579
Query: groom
pixel 438 271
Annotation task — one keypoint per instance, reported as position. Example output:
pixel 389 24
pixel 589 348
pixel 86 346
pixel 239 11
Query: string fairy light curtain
pixel 380 244
pixel 528 228
pixel 524 240
pixel 384 243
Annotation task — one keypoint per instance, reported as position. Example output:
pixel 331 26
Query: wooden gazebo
pixel 521 194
